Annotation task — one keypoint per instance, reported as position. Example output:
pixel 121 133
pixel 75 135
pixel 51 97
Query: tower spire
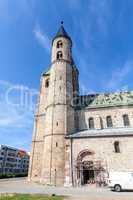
pixel 62 33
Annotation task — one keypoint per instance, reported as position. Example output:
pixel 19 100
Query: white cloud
pixel 74 4
pixel 14 110
pixel 16 11
pixel 101 14
pixel 5 83
pixel 42 38
pixel 119 74
pixel 16 117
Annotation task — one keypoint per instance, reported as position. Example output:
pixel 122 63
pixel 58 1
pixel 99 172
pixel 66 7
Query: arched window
pixel 117 147
pixel 59 44
pixel 109 121
pixel 91 123
pixel 126 120
pixel 47 83
pixel 59 55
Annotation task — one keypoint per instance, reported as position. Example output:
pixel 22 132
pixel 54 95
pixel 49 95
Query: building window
pixel 117 147
pixel 91 123
pixel 59 55
pixel 47 83
pixel 59 44
pixel 126 120
pixel 109 121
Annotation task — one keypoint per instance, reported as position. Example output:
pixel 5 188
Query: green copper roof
pixel 106 100
pixel 62 33
pixel 47 72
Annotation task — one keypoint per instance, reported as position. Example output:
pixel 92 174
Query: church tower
pixel 55 117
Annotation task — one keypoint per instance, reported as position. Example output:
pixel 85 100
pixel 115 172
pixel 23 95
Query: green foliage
pixel 12 175
pixel 30 197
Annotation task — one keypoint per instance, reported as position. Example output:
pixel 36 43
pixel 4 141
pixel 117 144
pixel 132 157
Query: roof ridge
pixel 107 93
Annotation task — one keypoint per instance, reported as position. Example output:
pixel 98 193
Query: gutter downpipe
pixel 72 161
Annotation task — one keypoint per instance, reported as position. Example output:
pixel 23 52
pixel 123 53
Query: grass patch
pixel 30 197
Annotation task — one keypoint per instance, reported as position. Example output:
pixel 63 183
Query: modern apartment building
pixel 13 161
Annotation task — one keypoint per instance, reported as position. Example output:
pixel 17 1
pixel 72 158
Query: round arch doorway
pixel 89 170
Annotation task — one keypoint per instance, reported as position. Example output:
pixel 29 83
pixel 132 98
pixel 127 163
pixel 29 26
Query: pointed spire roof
pixel 62 33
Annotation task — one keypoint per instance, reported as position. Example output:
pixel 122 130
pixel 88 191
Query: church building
pixel 78 140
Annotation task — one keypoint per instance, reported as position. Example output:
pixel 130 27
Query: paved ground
pixel 20 185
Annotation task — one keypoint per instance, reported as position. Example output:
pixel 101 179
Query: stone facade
pixel 101 113
pixel 103 151
pixel 77 139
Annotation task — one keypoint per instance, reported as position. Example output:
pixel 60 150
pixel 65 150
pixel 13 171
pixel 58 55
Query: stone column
pixel 68 172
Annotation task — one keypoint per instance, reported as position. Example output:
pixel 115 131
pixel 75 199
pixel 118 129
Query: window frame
pixel 47 83
pixel 117 147
pixel 91 123
pixel 59 44
pixel 59 55
pixel 126 121
pixel 109 121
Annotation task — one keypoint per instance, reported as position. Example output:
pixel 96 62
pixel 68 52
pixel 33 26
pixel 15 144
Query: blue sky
pixel 102 34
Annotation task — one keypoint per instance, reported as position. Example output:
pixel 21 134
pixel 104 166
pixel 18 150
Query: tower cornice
pixel 61 61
